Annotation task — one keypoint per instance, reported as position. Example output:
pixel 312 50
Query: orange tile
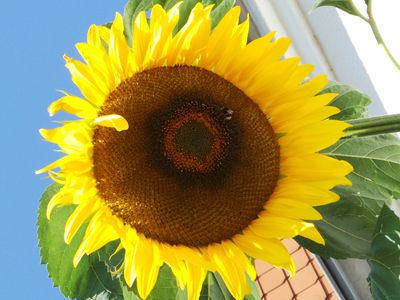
pixel 281 293
pixel 272 279
pixel 262 267
pixel 303 279
pixel 308 284
pixel 301 259
pixel 315 292
pixel 291 245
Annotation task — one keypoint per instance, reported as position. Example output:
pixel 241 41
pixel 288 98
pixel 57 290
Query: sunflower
pixel 195 149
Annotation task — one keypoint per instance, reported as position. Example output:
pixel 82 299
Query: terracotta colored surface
pixel 308 284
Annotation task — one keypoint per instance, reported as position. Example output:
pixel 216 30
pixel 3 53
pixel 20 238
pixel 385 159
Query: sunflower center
pixel 194 136
pixel 198 162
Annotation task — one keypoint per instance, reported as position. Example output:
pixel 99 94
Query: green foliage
pixel 166 287
pixel 353 104
pixel 133 7
pixel 345 5
pixel 384 257
pixel 90 279
pixel 220 10
pixel 376 163
pixel 214 289
pixel 349 224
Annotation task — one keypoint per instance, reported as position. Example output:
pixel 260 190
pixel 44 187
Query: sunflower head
pixel 195 149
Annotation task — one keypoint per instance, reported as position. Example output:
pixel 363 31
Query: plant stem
pixel 373 126
pixel 357 12
pixel 378 35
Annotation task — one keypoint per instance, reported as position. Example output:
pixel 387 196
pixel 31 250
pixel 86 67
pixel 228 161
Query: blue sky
pixel 33 38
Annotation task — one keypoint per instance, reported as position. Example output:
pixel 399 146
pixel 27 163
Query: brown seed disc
pixel 198 161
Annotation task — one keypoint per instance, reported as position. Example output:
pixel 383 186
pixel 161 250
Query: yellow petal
pixel 196 276
pixel 85 79
pixel 291 209
pixel 99 237
pixel 73 137
pixel 100 64
pixel 315 166
pixel 61 198
pixel 312 138
pixel 114 121
pixel 148 263
pixel 141 39
pixel 270 250
pixel 161 28
pixel 72 164
pixel 221 37
pixel 305 193
pixel 264 83
pixel 81 213
pixel 118 48
pixel 313 234
pixel 237 41
pixel 73 105
pixel 271 226
pixel 231 272
pixel 249 58
pixel 93 37
pixel 129 242
pixel 192 37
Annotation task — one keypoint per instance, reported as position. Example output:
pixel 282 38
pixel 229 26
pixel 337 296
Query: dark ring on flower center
pixel 193 141
pixel 198 162
pixel 192 138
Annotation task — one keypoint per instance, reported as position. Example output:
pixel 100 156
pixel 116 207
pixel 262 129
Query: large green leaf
pixel 345 5
pixel 90 279
pixel 353 103
pixel 376 163
pixel 348 225
pixel 384 257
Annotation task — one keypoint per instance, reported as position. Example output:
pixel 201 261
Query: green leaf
pixel 345 5
pixel 220 11
pixel 376 163
pixel 214 288
pixel 184 11
pixel 353 103
pixel 384 259
pixel 90 279
pixel 348 225
pixel 132 9
pixel 171 3
pixel 166 287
